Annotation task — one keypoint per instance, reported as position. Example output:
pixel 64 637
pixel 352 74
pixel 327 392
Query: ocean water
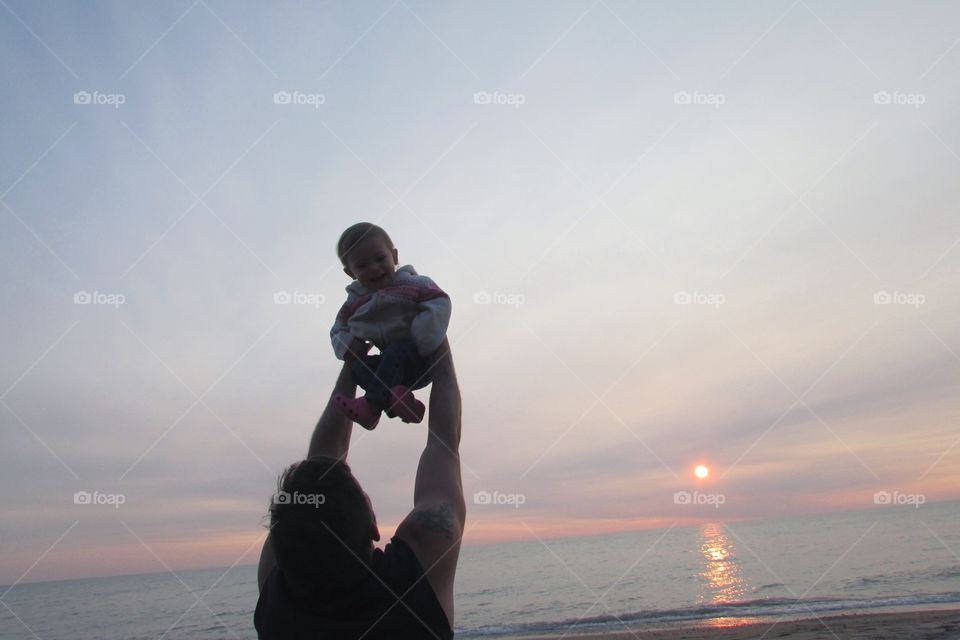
pixel 717 573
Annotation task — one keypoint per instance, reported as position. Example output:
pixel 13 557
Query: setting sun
pixel 701 471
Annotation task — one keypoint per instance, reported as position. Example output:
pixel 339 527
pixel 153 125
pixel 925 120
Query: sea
pixel 890 558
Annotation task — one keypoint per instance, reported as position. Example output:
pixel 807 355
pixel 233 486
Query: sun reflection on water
pixel 721 577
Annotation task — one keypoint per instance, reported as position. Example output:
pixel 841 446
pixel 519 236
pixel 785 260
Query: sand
pixel 914 625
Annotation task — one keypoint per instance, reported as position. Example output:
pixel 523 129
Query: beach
pixel 703 582
pixel 926 625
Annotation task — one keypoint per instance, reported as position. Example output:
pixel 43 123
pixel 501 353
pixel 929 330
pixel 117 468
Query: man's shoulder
pixel 426 523
pixel 433 533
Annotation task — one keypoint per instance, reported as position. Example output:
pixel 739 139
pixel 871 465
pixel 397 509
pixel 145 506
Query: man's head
pixel 367 254
pixel 322 525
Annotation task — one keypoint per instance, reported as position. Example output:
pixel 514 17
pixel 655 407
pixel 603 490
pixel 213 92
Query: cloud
pixel 519 202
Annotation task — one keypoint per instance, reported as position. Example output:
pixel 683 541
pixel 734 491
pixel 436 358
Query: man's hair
pixel 320 523
pixel 356 234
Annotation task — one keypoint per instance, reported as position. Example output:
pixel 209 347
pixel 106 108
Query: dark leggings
pixel 399 363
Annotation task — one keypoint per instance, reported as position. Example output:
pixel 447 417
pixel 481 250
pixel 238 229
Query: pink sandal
pixel 358 410
pixel 405 406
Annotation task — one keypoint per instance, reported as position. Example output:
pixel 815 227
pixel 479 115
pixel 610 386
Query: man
pixel 320 574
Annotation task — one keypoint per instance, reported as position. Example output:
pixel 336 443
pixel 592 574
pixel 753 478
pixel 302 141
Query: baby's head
pixel 367 254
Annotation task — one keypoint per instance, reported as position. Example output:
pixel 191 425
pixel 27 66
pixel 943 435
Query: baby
pixel 404 314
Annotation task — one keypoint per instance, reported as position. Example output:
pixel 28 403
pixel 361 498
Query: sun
pixel 701 471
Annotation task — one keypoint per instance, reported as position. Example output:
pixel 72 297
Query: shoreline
pixel 924 624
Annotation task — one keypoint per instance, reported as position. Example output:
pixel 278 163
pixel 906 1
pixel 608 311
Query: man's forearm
pixel 445 402
pixel 331 437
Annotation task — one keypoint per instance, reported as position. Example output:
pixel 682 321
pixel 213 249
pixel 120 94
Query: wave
pixel 902 578
pixel 946 573
pixel 763 607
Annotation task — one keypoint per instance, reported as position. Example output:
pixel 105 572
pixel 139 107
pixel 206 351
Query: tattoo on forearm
pixel 436 520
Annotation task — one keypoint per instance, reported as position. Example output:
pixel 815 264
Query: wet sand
pixel 914 625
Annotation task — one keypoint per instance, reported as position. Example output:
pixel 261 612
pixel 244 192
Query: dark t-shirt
pixel 371 610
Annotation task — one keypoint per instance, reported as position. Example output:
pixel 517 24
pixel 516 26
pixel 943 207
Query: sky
pixel 709 233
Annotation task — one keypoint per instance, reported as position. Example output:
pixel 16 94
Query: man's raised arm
pixel 331 439
pixel 331 436
pixel 434 527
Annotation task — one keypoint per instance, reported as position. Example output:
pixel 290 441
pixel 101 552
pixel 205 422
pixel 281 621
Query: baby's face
pixel 372 263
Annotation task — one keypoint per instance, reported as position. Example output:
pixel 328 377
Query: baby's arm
pixel 429 326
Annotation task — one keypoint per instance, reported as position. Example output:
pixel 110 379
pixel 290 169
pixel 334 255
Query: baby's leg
pixel 402 369
pixel 361 410
pixel 388 373
pixel 418 372
pixel 364 371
